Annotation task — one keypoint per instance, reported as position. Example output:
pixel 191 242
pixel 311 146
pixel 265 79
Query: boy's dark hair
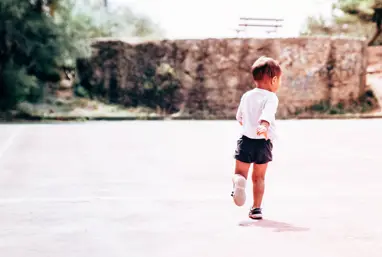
pixel 265 67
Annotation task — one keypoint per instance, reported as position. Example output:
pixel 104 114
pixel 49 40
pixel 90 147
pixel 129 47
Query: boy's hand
pixel 262 130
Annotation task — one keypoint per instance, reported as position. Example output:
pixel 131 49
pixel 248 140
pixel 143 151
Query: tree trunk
pixel 377 18
pixel 52 4
pixel 376 35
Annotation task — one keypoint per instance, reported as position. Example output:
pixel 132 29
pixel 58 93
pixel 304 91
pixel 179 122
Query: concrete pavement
pixel 162 188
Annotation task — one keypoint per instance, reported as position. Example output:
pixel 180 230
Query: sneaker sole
pixel 256 216
pixel 239 195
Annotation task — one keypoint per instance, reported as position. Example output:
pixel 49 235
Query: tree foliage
pixel 38 37
pixel 356 18
pixel 30 50
pixel 103 21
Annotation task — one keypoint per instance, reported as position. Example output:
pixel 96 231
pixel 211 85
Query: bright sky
pixel 220 18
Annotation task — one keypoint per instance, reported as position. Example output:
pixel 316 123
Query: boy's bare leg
pixel 241 168
pixel 258 177
pixel 239 182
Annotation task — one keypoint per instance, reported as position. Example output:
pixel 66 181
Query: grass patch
pixel 82 109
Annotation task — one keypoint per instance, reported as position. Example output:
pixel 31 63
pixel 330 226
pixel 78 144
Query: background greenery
pixel 355 18
pixel 39 38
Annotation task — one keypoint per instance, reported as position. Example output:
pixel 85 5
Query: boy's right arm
pixel 268 115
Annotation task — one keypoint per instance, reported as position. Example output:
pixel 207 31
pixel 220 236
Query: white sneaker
pixel 238 193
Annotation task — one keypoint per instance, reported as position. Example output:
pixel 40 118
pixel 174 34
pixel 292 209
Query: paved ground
pixel 144 189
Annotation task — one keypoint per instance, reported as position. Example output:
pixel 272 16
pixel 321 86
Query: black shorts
pixel 250 150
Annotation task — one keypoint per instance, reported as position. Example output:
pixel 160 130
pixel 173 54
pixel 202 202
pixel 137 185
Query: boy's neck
pixel 264 87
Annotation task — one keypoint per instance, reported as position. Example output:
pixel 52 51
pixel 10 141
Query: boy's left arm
pixel 239 114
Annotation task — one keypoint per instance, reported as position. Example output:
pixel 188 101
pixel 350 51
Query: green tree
pixel 359 18
pixel 95 18
pixel 31 47
pixel 39 37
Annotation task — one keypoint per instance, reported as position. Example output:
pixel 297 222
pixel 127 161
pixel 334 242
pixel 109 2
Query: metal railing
pixel 266 23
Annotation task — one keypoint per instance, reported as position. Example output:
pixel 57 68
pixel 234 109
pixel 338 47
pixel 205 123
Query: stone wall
pixel 208 77
pixel 374 59
pixel 374 72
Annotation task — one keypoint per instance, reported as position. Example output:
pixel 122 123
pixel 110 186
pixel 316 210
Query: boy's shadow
pixel 275 225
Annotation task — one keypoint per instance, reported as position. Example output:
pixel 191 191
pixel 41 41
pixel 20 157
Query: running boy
pixel 256 115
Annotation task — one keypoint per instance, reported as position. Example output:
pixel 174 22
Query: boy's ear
pixel 274 80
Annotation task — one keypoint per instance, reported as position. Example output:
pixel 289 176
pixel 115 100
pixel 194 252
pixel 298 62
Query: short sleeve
pixel 270 108
pixel 239 113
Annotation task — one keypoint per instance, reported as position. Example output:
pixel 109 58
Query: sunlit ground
pixel 151 188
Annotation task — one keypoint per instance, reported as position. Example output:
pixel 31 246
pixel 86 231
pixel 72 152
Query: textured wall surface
pixel 374 72
pixel 209 76
pixel 374 58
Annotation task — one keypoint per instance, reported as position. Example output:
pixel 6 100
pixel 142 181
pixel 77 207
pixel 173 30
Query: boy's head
pixel 266 72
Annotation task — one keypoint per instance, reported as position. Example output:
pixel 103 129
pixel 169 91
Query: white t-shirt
pixel 257 105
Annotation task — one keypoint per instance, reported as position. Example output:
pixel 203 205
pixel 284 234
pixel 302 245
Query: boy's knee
pixel 257 178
